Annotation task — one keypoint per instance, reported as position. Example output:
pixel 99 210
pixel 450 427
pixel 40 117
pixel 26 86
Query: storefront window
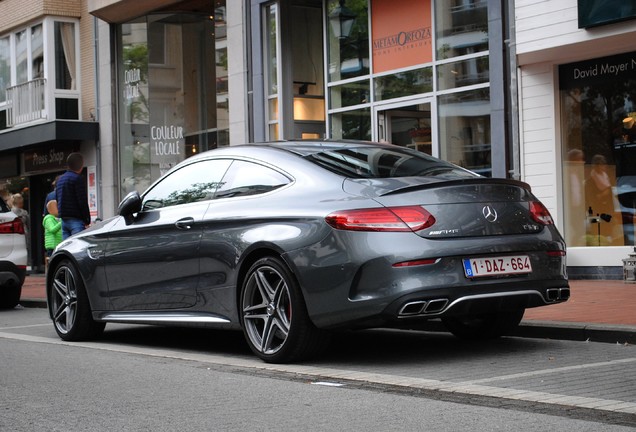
pixel 464 129
pixel 411 67
pixel 271 70
pixel 599 149
pixel 350 94
pixel 348 39
pixel 354 125
pixel 348 59
pixel 404 84
pixel 463 73
pixel 462 27
pixel 169 73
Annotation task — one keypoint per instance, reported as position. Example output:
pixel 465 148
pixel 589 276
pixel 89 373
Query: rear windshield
pixel 3 207
pixel 385 162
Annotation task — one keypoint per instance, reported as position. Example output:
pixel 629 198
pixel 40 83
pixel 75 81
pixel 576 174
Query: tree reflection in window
pixel 195 193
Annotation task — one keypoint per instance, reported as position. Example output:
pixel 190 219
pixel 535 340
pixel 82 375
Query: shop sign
pixel 45 159
pixel 167 145
pixel 601 70
pixel 401 34
pixel 132 78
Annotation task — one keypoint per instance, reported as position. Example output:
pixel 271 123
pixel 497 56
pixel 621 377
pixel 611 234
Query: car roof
pixel 305 148
pixel 300 148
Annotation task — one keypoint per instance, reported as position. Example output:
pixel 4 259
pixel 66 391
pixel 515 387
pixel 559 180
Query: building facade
pixel 577 84
pixel 47 102
pixel 189 76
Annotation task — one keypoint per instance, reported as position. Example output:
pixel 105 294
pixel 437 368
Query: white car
pixel 13 257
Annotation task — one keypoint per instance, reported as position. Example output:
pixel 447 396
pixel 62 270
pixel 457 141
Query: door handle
pixel 185 223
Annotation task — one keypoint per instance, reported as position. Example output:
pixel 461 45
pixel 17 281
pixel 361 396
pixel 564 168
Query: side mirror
pixel 130 205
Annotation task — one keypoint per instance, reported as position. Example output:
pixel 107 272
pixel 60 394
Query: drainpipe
pixel 513 133
pixel 98 147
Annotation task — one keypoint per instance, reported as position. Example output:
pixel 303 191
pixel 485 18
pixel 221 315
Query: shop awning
pixel 59 130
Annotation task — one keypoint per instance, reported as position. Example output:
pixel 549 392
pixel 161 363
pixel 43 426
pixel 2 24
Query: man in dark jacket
pixel 71 195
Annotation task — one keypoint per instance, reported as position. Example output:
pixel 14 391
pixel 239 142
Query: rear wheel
pixel 274 316
pixel 10 296
pixel 69 306
pixel 485 326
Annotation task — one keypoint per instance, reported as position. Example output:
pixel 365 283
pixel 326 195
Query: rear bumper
pixel 11 275
pixel 460 301
pixel 365 286
pixel 430 303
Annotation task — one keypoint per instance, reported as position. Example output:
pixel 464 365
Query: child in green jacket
pixel 52 228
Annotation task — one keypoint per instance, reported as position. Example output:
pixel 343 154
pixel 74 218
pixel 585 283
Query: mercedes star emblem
pixel 490 214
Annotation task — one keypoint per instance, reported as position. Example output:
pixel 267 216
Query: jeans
pixel 71 226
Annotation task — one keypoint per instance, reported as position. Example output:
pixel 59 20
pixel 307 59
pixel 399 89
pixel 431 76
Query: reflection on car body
pixel 290 240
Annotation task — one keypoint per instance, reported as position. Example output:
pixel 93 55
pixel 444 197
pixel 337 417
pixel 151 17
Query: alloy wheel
pixel 64 299
pixel 267 312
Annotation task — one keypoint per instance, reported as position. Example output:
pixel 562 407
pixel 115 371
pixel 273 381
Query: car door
pixel 235 219
pixel 152 262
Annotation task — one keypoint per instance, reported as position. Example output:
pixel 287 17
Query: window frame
pixel 51 93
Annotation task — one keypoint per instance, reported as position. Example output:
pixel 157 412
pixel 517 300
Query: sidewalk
pixel 598 310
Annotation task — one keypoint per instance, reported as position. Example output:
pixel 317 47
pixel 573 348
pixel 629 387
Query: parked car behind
pixel 13 257
pixel 290 240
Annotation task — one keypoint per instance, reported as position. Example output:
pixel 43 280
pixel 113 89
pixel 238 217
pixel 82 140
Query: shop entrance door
pixel 407 124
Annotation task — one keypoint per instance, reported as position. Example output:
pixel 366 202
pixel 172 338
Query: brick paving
pixel 593 301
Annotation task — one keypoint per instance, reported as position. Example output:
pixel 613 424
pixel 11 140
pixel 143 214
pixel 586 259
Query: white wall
pixel 547 35
pixel 237 72
pixel 547 30
pixel 538 130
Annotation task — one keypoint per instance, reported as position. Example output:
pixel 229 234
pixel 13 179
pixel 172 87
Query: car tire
pixel 10 296
pixel 486 326
pixel 274 316
pixel 69 305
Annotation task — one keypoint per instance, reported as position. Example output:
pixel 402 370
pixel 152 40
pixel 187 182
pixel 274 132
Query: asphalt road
pixel 151 378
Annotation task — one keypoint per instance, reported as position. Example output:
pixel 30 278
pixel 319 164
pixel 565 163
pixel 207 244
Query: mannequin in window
pixel 598 186
pixel 575 197
pixel 628 131
pixel 624 156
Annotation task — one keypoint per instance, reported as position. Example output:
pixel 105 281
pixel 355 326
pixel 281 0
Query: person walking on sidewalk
pixel 52 228
pixel 71 196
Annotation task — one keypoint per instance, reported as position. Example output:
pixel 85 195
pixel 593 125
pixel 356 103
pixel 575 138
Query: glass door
pixel 407 124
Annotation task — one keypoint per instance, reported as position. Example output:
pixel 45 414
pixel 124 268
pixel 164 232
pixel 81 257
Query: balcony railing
pixel 25 102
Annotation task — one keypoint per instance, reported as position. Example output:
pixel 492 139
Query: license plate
pixel 493 266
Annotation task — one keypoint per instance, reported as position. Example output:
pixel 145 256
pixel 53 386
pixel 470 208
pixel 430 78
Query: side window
pixel 192 183
pixel 246 178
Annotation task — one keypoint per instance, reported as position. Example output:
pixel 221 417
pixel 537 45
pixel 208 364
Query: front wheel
pixel 485 326
pixel 69 306
pixel 274 316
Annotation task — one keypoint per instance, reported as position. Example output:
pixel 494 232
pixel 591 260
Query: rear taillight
pixel 14 227
pixel 395 219
pixel 540 214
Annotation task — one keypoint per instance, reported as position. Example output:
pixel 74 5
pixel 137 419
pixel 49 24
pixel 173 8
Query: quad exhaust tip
pixel 423 307
pixel 557 294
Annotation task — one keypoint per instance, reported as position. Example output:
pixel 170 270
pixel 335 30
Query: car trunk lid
pixel 461 208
